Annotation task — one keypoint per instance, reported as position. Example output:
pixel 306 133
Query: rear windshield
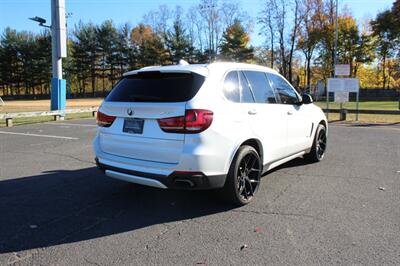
pixel 154 86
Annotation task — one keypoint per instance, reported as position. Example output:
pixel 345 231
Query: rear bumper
pixel 175 180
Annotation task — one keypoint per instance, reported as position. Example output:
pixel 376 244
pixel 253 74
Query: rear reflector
pixel 104 120
pixel 194 121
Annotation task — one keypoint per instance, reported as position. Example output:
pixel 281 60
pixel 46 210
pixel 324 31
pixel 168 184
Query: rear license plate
pixel 133 125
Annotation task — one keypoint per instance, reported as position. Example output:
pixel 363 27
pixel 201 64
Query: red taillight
pixel 104 120
pixel 194 121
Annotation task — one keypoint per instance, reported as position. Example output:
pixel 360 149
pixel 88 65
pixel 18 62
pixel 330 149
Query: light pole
pixel 336 47
pixel 59 51
pixel 334 56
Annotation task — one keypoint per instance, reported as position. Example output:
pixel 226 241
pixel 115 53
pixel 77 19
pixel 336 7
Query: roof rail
pixel 183 62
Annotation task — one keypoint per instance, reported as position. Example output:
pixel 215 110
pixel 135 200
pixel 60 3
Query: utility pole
pixel 59 51
pixel 336 45
pixel 334 55
pixel 336 38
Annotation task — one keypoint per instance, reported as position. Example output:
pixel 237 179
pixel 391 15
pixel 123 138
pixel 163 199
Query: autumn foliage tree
pixel 386 29
pixel 148 46
pixel 235 43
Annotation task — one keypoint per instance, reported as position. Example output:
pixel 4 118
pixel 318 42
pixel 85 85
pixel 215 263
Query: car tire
pixel 318 148
pixel 244 177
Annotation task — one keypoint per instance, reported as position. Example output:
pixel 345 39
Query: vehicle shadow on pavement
pixel 297 162
pixel 69 206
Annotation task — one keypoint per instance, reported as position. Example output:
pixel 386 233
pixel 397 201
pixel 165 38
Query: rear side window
pixel 155 86
pixel 231 87
pixel 285 91
pixel 262 90
pixel 247 96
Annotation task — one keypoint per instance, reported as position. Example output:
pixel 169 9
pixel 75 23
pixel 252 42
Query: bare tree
pixel 280 20
pixel 293 37
pixel 275 19
pixel 231 11
pixel 267 21
pixel 191 21
pixel 210 13
pixel 159 20
pixel 310 31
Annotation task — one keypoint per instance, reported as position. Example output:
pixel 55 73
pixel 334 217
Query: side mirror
pixel 307 99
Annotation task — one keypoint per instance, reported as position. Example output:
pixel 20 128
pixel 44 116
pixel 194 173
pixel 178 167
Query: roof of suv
pixel 201 69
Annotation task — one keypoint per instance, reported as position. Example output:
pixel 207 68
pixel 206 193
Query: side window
pixel 231 87
pixel 263 92
pixel 284 90
pixel 246 95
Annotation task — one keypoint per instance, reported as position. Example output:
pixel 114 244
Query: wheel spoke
pixel 248 182
pixel 245 191
pixel 254 170
pixel 250 166
pixel 241 187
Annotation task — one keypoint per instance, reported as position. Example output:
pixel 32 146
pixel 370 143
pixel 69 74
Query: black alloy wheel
pixel 321 144
pixel 243 179
pixel 318 149
pixel 248 176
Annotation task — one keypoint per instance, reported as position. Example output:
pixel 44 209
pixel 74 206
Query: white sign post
pixel 342 70
pixel 341 87
pixel 341 97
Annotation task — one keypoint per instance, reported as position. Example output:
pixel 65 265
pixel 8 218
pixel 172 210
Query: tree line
pixel 299 42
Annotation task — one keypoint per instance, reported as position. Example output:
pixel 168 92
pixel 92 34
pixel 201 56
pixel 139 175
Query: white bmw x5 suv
pixel 216 126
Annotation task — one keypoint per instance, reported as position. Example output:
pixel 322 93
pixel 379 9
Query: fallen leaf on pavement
pixel 257 229
pixel 243 247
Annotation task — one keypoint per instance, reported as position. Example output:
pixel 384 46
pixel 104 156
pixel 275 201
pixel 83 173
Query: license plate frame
pixel 133 125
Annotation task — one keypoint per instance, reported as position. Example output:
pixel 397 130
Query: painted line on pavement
pixel 37 135
pixel 71 124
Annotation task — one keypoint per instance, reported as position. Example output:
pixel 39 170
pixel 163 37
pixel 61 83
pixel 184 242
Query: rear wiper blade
pixel 146 98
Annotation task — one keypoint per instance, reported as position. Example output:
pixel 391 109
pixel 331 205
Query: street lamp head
pixel 41 21
pixel 38 19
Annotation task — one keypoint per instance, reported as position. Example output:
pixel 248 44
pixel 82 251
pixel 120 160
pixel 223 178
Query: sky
pixel 15 13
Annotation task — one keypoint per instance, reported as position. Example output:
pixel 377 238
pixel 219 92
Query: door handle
pixel 289 112
pixel 252 112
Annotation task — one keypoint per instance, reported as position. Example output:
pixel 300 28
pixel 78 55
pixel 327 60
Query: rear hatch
pixel 137 102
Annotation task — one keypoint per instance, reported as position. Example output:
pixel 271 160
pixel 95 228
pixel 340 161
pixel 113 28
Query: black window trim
pixel 277 98
pixel 248 84
pixel 237 71
pixel 299 98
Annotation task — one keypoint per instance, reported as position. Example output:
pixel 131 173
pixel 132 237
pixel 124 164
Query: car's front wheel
pixel 318 149
pixel 244 176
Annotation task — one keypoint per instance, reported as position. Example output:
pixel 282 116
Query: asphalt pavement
pixel 56 208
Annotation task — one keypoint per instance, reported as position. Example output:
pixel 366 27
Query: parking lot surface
pixel 57 208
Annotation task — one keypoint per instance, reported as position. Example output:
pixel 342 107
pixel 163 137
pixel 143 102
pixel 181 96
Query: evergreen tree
pixel 124 58
pixel 9 60
pixel 85 52
pixel 235 43
pixel 107 42
pixel 178 42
